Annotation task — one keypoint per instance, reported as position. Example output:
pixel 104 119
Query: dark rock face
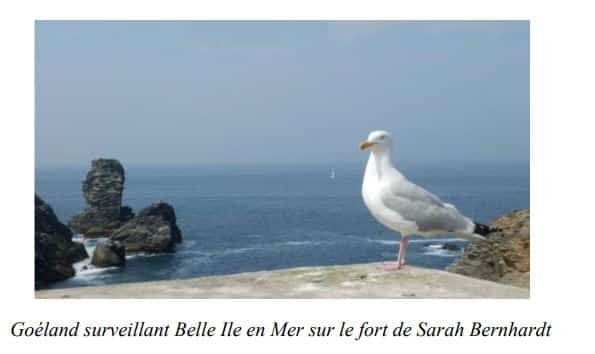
pixel 102 189
pixel 126 214
pixel 167 213
pixel 55 252
pixel 154 229
pixel 108 253
pixel 505 258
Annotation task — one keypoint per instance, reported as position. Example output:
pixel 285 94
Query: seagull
pixel 405 207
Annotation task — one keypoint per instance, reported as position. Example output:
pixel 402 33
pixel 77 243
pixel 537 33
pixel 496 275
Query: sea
pixel 244 218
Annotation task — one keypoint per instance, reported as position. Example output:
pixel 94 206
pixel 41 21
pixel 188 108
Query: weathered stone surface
pixel 103 187
pixel 108 253
pixel 336 282
pixel 505 258
pixel 154 229
pixel 55 252
pixel 102 190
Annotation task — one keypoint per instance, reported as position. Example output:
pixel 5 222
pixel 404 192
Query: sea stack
pixel 55 252
pixel 102 189
pixel 154 230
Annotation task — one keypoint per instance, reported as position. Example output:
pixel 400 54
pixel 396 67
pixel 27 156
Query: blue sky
pixel 196 92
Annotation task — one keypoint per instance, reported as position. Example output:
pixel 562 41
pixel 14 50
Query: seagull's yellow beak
pixel 365 144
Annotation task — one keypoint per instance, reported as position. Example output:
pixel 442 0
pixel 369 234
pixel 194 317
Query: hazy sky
pixel 288 92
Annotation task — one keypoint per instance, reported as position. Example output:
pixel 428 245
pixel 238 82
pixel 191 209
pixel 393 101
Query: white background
pixel 562 58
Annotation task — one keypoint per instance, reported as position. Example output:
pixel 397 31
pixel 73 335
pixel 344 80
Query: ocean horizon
pixel 246 218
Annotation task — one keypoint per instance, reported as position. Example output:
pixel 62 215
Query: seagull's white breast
pixel 371 193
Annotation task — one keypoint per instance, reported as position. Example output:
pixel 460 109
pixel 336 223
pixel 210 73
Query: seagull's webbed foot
pixel 388 266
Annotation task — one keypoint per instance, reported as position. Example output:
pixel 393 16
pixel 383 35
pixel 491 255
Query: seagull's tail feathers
pixel 480 231
pixel 474 232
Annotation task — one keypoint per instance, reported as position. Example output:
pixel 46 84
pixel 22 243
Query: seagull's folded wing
pixel 426 210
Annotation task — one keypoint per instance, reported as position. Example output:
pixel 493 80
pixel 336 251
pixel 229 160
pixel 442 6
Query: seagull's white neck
pixel 380 162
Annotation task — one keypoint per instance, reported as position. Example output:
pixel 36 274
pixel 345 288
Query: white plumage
pixel 403 206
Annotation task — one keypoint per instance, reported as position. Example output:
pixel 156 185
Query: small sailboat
pixel 332 173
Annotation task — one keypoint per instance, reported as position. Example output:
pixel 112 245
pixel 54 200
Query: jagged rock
pixel 102 189
pixel 505 258
pixel 108 253
pixel 168 214
pixel 154 229
pixel 55 252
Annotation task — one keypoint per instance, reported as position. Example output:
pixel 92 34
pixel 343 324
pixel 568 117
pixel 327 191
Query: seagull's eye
pixel 381 137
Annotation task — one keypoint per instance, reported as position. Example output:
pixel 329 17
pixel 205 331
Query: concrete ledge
pixel 345 281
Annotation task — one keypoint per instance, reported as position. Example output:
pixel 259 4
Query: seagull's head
pixel 377 141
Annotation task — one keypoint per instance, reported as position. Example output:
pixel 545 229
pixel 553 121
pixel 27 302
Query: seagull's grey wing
pixel 426 210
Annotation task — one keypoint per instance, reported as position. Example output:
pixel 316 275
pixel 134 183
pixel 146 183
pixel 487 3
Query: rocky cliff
pixel 55 252
pixel 505 258
pixel 102 189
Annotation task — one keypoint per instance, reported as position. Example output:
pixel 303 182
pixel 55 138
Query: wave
pixel 96 270
pixel 145 255
pixel 81 265
pixel 415 240
pixel 256 248
pixel 437 239
pixel 383 242
pixel 78 238
pixel 239 250
pixel 302 243
pixel 439 251
pixel 438 246
pixel 90 274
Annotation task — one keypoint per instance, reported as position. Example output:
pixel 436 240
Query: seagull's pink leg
pixel 400 263
pixel 403 251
